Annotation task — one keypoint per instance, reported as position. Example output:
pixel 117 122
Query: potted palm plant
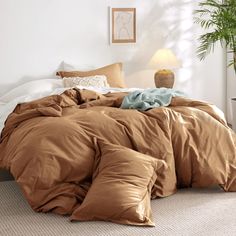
pixel 218 18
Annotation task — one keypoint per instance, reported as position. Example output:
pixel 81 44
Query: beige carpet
pixel 189 212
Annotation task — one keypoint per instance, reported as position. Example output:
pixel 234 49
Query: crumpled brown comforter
pixel 48 145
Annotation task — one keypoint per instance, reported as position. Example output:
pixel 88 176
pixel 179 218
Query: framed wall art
pixel 123 25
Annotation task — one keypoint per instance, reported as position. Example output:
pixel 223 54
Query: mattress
pixel 188 212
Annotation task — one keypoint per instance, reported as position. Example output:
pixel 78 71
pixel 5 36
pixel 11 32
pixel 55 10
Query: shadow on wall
pixel 162 24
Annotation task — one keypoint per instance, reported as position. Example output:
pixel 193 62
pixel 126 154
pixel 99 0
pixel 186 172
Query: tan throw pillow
pixel 113 73
pixel 99 81
pixel 121 189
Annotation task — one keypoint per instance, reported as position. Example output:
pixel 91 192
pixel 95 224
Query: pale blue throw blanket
pixel 150 98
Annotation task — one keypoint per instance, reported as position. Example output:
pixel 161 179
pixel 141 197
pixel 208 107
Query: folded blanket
pixel 150 98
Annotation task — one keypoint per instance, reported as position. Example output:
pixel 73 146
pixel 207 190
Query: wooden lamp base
pixel 164 78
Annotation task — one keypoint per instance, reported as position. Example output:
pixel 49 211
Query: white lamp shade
pixel 164 59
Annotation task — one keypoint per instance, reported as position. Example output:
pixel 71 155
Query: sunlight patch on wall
pixel 182 43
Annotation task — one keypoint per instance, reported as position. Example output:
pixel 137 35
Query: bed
pixel 78 151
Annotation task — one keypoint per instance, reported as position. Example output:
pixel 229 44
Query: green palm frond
pixel 218 18
pixel 231 63
pixel 207 42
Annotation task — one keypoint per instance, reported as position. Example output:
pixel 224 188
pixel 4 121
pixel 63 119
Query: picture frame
pixel 123 25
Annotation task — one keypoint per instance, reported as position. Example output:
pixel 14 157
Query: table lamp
pixel 165 60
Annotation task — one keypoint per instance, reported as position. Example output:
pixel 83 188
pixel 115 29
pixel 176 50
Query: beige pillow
pixel 99 81
pixel 121 188
pixel 113 73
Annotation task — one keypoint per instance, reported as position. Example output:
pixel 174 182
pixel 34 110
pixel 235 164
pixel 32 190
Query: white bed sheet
pixel 189 212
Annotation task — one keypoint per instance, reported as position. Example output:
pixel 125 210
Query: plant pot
pixel 233 104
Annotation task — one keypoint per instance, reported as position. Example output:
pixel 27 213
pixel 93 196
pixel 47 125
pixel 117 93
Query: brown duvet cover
pixel 50 145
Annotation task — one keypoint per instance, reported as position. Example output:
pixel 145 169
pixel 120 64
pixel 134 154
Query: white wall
pixel 36 35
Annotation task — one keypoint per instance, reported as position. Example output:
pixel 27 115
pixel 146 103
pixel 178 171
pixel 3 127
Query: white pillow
pixel 99 81
pixel 72 66
pixel 32 87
